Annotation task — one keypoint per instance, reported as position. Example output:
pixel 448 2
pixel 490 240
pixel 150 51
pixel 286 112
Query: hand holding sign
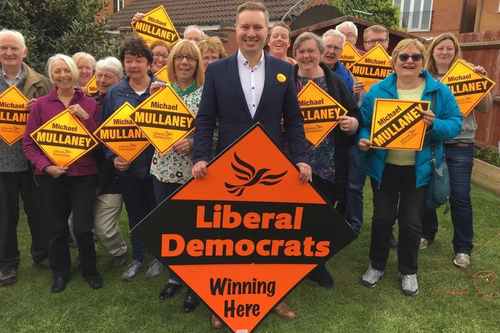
pixel 358 87
pixel 121 164
pixel 155 86
pixel 199 170
pixel 429 117
pixel 185 146
pixel 76 110
pixel 305 172
pixel 55 171
pixel 348 124
pixel 30 104
pixel 138 16
pixel 364 145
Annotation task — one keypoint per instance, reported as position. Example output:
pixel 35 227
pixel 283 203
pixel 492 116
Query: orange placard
pixel 156 26
pixel 468 86
pixel 320 112
pixel 64 139
pixel 247 234
pixel 162 74
pixel 121 135
pixel 164 119
pixel 398 124
pixel 92 86
pixel 13 115
pixel 349 55
pixel 374 66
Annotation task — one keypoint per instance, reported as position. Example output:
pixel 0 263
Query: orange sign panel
pixel 320 111
pixel 13 115
pixel 164 119
pixel 162 74
pixel 156 25
pixel 64 139
pixel 468 86
pixel 398 124
pixel 349 55
pixel 247 234
pixel 92 86
pixel 374 66
pixel 121 135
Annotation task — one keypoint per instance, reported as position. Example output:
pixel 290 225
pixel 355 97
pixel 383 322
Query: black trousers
pixel 66 194
pixel 11 185
pixel 398 184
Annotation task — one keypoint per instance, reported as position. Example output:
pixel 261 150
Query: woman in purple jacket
pixel 71 188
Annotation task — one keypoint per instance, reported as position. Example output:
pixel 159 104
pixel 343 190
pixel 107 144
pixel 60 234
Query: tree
pixel 59 26
pixel 384 12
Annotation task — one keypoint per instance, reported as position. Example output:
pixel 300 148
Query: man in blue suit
pixel 244 89
pixel 249 87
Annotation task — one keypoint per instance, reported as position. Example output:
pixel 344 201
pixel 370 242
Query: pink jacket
pixel 44 109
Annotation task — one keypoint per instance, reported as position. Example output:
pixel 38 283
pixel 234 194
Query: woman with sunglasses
pixel 402 176
pixel 187 75
pixel 444 51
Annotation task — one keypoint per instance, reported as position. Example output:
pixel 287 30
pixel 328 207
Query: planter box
pixel 486 175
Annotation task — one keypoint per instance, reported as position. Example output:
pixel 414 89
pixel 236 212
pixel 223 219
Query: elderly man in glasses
pixel 334 41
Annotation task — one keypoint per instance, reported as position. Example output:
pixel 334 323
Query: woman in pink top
pixel 70 188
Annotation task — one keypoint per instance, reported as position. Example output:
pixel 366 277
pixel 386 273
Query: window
pixel 117 5
pixel 415 14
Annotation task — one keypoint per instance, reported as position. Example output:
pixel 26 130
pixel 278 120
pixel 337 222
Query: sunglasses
pixel 414 57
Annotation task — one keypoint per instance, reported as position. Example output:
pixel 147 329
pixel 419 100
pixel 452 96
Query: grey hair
pixel 71 64
pixel 189 27
pixel 335 33
pixel 349 24
pixel 16 33
pixel 307 36
pixel 110 64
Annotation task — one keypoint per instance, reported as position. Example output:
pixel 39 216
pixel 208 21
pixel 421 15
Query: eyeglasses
pixel 414 57
pixel 160 55
pixel 334 47
pixel 373 41
pixel 180 57
pixel 210 58
pixel 107 77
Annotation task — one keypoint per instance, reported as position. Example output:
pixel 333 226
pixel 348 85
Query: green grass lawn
pixel 447 302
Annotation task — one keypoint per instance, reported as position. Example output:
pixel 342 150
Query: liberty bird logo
pixel 247 173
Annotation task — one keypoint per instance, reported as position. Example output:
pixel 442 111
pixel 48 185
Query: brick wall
pixel 445 18
pixel 109 9
pixel 487 16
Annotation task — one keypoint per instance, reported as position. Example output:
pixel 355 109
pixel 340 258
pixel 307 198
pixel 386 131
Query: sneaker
pixel 409 284
pixel 132 270
pixel 8 277
pixel 120 260
pixel 462 260
pixel 371 277
pixel 154 270
pixel 423 243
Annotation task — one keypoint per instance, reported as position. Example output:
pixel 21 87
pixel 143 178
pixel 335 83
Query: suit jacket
pixel 223 100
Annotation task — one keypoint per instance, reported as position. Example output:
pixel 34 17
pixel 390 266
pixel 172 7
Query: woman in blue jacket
pixel 403 175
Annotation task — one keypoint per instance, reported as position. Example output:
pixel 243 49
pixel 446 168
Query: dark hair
pixel 137 47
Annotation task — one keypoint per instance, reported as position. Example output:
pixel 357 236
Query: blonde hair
pixel 404 44
pixel 79 56
pixel 69 62
pixel 212 44
pixel 251 5
pixel 376 28
pixel 192 49
pixel 430 64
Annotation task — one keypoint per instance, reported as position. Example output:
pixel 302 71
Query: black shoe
pixel 95 282
pixel 321 276
pixel 394 243
pixel 59 285
pixel 170 290
pixel 8 277
pixel 191 301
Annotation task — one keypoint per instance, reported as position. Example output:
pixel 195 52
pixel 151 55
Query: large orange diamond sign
pixel 374 66
pixel 92 86
pixel 156 25
pixel 247 234
pixel 320 111
pixel 349 55
pixel 64 139
pixel 13 115
pixel 164 119
pixel 120 134
pixel 468 86
pixel 162 74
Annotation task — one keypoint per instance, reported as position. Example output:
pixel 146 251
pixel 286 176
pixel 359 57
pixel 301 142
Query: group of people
pixel 228 94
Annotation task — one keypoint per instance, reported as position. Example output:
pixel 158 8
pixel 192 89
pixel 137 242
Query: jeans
pixel 139 199
pixel 163 191
pixel 355 182
pixel 398 185
pixel 460 157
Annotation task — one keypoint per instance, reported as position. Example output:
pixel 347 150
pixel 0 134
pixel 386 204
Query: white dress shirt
pixel 252 81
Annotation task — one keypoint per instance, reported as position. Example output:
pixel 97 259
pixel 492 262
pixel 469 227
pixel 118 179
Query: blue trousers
pixel 355 182
pixel 459 157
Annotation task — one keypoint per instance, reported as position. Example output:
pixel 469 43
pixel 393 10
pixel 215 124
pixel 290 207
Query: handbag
pixel 438 191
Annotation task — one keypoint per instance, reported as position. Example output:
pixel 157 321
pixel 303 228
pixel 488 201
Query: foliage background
pixel 384 12
pixel 59 26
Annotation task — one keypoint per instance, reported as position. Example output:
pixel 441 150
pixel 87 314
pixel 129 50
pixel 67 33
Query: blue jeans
pixel 355 182
pixel 163 191
pixel 460 161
